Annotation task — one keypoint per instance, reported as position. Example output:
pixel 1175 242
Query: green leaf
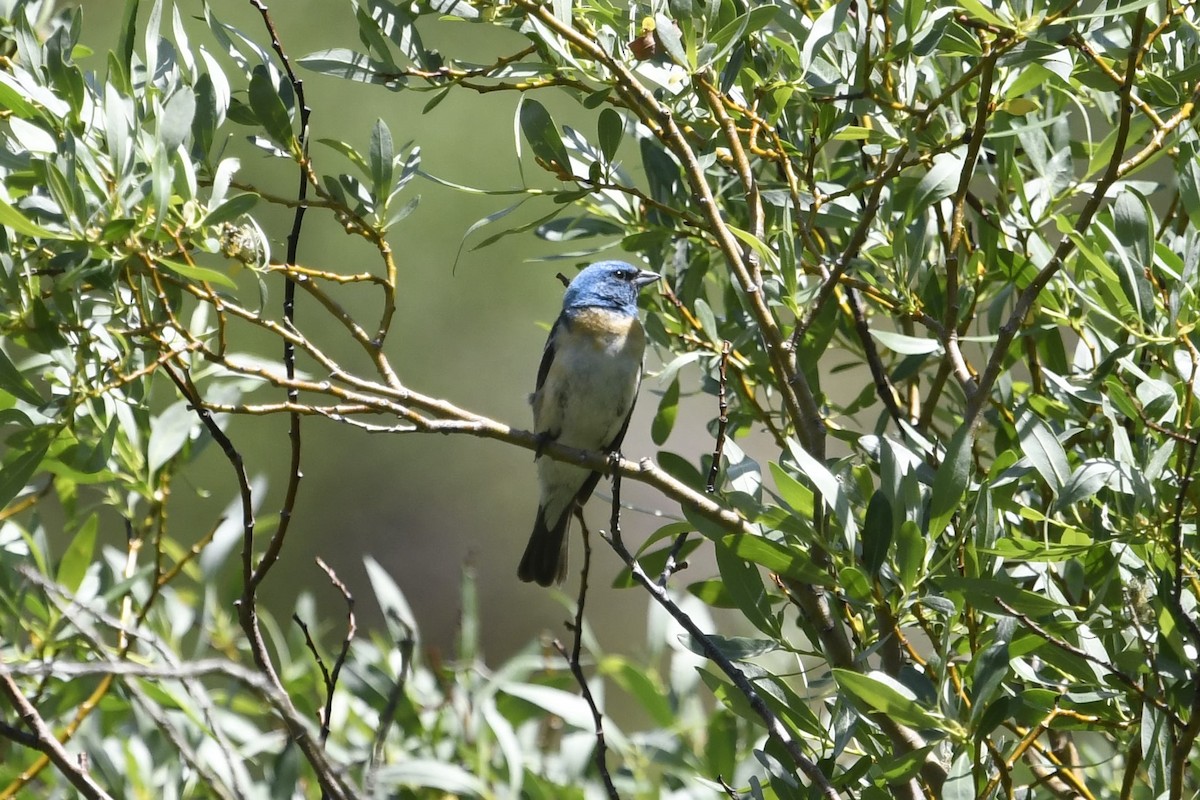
pixel 906 345
pixel 878 691
pixel 877 532
pixel 735 648
pixel 10 217
pixel 12 97
pixel 397 613
pixel 798 496
pixel 991 666
pixel 650 694
pixel 984 592
pixel 192 272
pixel 1043 450
pixel 653 562
pixel 15 383
pixel 169 431
pixel 78 557
pixel 429 773
pixel 543 137
pixel 911 547
pixel 610 131
pixel 338 62
pixel 231 209
pixel 380 156
pixel 790 562
pixel 664 419
pixel 951 481
pixel 175 123
pixel 269 109
pixel 668 35
pixel 770 259
pixel 744 587
pixel 826 484
pixel 938 183
pixel 16 474
pixel 979 11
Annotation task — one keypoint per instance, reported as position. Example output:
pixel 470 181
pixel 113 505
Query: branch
pixel 774 727
pixel 45 741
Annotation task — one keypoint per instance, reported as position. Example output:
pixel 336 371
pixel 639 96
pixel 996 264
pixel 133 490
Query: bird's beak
pixel 645 277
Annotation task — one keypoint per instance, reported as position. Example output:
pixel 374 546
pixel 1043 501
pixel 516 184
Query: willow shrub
pixel 977 576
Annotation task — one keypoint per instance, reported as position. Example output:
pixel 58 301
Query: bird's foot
pixel 544 438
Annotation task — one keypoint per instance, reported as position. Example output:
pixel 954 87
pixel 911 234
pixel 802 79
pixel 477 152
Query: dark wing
pixel 548 354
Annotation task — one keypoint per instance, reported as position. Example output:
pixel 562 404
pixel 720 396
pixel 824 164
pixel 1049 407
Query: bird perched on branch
pixel 586 387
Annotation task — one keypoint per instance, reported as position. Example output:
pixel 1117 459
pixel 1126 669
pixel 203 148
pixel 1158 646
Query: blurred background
pixel 423 506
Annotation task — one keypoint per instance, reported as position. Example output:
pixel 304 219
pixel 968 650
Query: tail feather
pixel 545 559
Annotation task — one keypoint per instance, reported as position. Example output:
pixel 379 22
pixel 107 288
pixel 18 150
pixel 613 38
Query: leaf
pixel 231 209
pixel 653 562
pixel 610 130
pixel 269 109
pixel 991 667
pixel 735 648
pixel 13 381
pixel 828 487
pixel 664 419
pixel 168 433
pixel 78 556
pixel 984 592
pixel 192 272
pixel 979 11
pixel 428 773
pixel 881 692
pixel 649 693
pixel 877 532
pixel 380 156
pixel 798 497
pixel 743 585
pixel 401 621
pixel 1092 476
pixel 938 183
pixel 823 29
pixel 175 123
pixel 668 35
pixel 569 707
pixel 790 562
pixel 906 345
pixel 338 62
pixel 769 257
pixel 911 547
pixel 15 474
pixel 1043 450
pixel 540 131
pixel 10 217
pixel 951 481
pixel 742 471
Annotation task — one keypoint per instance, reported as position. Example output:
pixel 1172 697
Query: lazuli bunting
pixel 586 387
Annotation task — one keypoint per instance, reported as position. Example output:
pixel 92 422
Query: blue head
pixel 608 284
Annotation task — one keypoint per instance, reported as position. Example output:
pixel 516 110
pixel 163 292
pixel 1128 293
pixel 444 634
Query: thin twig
pixel 672 565
pixel 722 419
pixel 575 664
pixel 351 629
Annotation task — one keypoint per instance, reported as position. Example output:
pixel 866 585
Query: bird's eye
pixel 623 274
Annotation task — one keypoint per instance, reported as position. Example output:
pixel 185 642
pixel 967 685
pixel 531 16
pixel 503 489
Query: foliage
pixel 974 576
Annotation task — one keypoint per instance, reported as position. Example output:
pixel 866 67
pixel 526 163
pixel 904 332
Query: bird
pixel 587 383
